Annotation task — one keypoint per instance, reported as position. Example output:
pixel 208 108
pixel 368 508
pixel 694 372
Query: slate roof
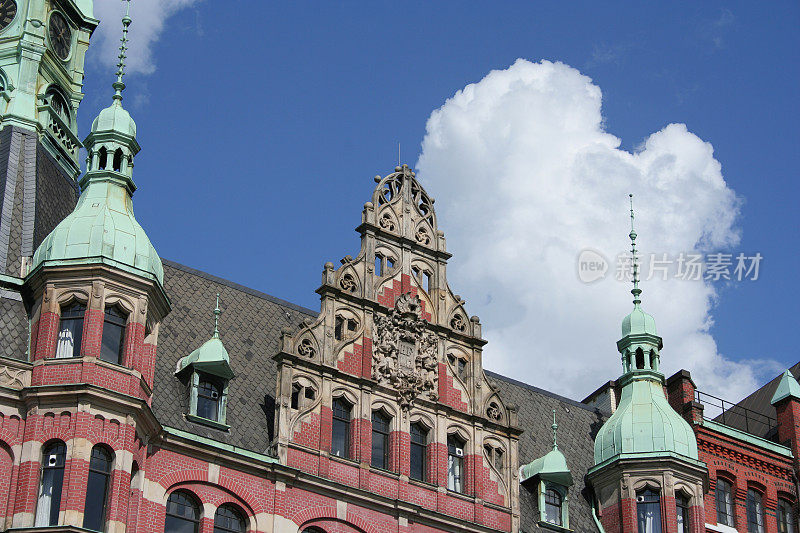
pixel 250 326
pixel 759 403
pixel 577 426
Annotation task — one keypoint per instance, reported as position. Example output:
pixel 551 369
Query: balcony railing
pixel 734 415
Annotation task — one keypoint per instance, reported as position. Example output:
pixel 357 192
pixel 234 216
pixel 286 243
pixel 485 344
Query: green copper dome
pixel 114 118
pixel 102 229
pixel 644 422
pixel 552 467
pixel 638 322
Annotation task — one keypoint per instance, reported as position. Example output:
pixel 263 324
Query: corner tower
pixel 42 48
pixel 646 474
pixel 96 299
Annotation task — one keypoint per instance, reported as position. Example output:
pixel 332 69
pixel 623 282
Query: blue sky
pixel 262 125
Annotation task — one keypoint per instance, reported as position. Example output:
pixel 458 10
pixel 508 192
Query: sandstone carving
pixel 404 355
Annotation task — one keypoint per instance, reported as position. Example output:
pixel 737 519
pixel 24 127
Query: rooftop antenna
pixel 119 85
pixel 636 291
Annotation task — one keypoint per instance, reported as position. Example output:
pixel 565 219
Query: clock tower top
pixel 42 49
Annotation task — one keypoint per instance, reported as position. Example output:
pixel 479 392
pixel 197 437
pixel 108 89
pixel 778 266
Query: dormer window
pixel 209 396
pixel 113 335
pixel 70 330
pixel 553 507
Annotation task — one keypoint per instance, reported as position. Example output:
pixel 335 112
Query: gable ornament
pixel 404 354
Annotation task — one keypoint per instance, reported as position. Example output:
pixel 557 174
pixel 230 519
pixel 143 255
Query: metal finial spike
pixel 217 312
pixel 636 291
pixel 118 85
pixel 555 430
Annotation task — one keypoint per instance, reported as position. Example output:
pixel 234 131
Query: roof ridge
pixel 241 288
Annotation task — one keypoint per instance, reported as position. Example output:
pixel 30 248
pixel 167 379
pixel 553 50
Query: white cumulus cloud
pixel 527 178
pixel 149 17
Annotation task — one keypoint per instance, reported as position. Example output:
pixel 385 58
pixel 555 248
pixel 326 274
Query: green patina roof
pixel 787 388
pixel 638 322
pixel 211 357
pixel 114 118
pixel 644 422
pixel 552 467
pixel 102 226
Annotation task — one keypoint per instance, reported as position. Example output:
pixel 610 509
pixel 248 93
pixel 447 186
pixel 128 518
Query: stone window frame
pixel 66 299
pixel 112 299
pixel 348 335
pixel 684 491
pixel 466 471
pixel 496 445
pixel 385 254
pixel 427 423
pixel 304 383
pixel 355 408
pixel 422 270
pixel 654 485
pixel 383 408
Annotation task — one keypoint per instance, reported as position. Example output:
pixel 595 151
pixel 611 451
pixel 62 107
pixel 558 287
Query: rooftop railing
pixel 734 415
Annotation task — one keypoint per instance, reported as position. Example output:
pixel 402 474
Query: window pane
pixel 419 440
pixel 183 514
pixel 380 446
pixel 208 397
pixel 785 518
pixel 112 342
pixel 648 510
pixel 724 499
pixel 552 507
pixel 755 513
pixel 228 520
pixel 49 501
pixel 96 489
pixel 339 440
pixel 684 522
pixel 70 331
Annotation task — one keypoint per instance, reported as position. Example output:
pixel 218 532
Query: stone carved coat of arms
pixel 404 356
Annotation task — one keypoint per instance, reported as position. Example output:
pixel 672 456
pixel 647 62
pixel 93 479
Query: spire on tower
pixel 636 291
pixel 217 312
pixel 119 85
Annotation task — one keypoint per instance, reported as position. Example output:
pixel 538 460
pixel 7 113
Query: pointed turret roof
pixel 552 467
pixel 211 357
pixel 102 228
pixel 787 388
pixel 644 422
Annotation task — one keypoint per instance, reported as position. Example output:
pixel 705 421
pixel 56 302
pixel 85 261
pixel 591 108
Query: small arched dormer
pixel 117 163
pixel 102 158
pixel 639 359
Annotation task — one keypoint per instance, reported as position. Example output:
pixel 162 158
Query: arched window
pixel 639 358
pixel 755 512
pixel 419 451
pixel 97 489
pixel 684 518
pixel 183 513
pixel 59 105
pixel 724 496
pixel 455 463
pixel 209 394
pixel 53 459
pixel 785 517
pixel 113 335
pixel 344 327
pixel 228 519
pixel 648 510
pixel 70 330
pixel 302 396
pixel 495 456
pixel 117 163
pixel 102 159
pixel 552 507
pixel 653 360
pixel 381 424
pixel 340 429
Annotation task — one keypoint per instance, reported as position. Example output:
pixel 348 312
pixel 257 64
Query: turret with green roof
pixel 102 228
pixel 644 422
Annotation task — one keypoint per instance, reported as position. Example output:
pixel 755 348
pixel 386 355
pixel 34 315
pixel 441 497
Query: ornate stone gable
pixel 404 354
